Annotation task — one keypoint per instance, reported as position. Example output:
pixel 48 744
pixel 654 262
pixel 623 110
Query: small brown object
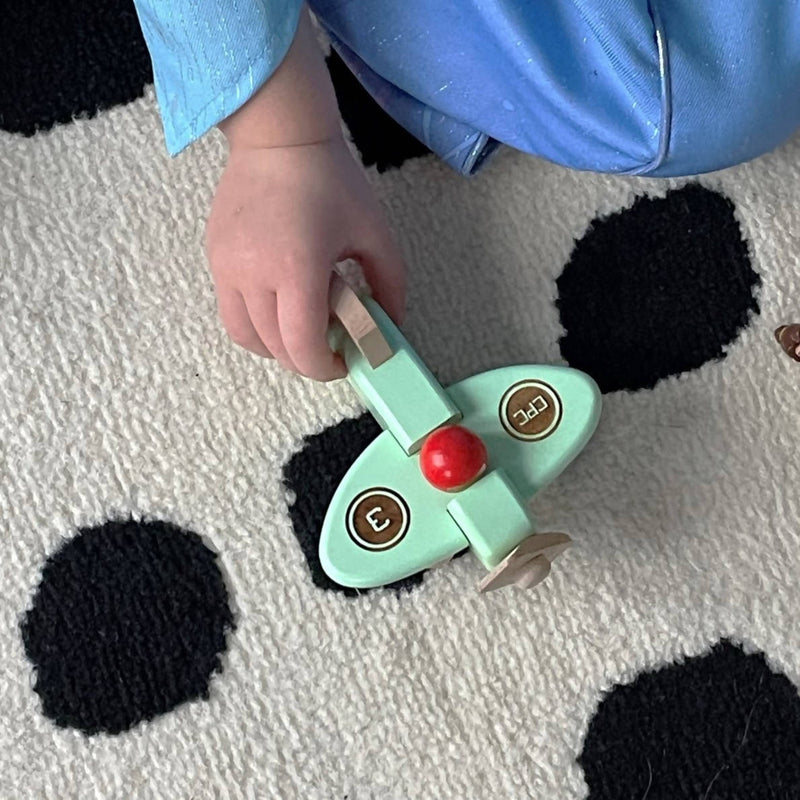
pixel 358 322
pixel 788 337
pixel 528 563
pixel 378 519
pixel 530 410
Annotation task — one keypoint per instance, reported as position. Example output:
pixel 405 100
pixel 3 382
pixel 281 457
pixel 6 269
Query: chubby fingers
pixel 303 316
pixel 236 320
pixel 262 308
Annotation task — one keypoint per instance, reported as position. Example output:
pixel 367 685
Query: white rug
pixel 121 397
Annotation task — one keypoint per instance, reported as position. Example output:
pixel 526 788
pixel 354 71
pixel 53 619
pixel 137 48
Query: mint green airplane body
pixel 386 521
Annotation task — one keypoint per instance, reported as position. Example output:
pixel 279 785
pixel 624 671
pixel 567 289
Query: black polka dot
pixel 62 59
pixel 312 476
pixel 380 140
pixel 657 290
pixel 722 726
pixel 128 622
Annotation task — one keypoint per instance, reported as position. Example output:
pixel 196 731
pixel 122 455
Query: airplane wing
pixel 534 420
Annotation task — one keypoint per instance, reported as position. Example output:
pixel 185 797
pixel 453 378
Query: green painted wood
pixel 492 516
pixel 402 394
pixel 431 535
pixel 567 397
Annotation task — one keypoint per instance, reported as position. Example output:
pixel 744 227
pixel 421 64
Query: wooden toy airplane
pixel 454 468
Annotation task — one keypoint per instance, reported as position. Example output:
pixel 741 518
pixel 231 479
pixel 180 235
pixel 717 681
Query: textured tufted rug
pixel 165 629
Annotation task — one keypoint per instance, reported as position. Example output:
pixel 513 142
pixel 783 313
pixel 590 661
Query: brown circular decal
pixel 378 519
pixel 530 410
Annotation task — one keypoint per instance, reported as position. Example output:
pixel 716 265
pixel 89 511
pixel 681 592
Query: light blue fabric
pixel 657 87
pixel 210 56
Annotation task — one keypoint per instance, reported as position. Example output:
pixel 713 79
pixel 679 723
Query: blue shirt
pixel 655 87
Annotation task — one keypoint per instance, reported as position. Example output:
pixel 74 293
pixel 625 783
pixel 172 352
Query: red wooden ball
pixel 452 458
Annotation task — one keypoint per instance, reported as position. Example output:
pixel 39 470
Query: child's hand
pixel 291 203
pixel 281 218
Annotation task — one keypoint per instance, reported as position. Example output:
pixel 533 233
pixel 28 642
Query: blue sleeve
pixel 210 56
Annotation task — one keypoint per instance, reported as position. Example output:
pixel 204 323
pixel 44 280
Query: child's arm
pixel 291 201
pixel 296 106
pixel 290 204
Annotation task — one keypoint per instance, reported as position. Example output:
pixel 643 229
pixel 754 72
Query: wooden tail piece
pixel 358 322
